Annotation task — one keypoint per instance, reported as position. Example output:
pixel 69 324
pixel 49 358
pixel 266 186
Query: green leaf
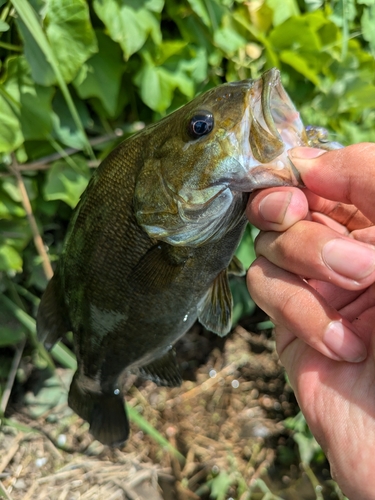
pixel 296 34
pixel 72 38
pixel 59 352
pixel 70 34
pixel 130 23
pixel 245 251
pixel 65 183
pixel 101 75
pixel 52 393
pixel 307 446
pixel 367 24
pixel 4 26
pixel 10 209
pixel 283 10
pixel 10 259
pixel 41 70
pixel 15 232
pixel 168 49
pixel 157 86
pixel 10 335
pixel 34 101
pixel 200 9
pixel 220 485
pixel 228 40
pixel 300 64
pixel 32 22
pixel 64 125
pixel 11 188
pixel 10 129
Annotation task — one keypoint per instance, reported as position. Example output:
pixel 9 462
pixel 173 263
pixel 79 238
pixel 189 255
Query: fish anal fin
pixel 52 321
pixel 236 268
pixel 163 371
pixel 215 310
pixel 105 412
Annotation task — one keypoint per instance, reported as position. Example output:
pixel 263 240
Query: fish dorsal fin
pixel 52 321
pixel 163 371
pixel 236 268
pixel 158 268
pixel 215 310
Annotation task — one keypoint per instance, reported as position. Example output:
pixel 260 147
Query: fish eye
pixel 200 124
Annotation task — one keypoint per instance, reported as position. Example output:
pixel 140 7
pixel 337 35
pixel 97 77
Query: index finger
pixel 344 175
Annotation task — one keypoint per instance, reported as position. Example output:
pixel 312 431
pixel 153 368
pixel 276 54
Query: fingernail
pixel 349 259
pixel 304 153
pixel 344 343
pixel 274 206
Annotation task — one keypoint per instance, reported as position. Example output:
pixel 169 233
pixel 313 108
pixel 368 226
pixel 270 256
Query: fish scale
pixel 152 240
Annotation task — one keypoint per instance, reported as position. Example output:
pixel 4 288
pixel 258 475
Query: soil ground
pixel 226 420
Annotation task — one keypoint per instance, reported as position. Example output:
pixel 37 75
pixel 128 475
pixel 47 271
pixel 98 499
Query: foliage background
pixel 77 76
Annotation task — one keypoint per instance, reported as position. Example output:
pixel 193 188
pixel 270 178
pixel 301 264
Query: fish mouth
pixel 275 128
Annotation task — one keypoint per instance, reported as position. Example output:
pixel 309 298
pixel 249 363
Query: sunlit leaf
pixel 157 86
pixel 200 9
pixel 66 183
pixel 4 26
pixel 220 484
pixel 367 23
pixel 283 10
pixel 10 259
pixel 70 34
pixel 300 64
pixel 130 23
pixel 10 186
pixel 69 31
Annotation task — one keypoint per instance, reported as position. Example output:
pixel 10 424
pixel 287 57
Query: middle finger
pixel 312 250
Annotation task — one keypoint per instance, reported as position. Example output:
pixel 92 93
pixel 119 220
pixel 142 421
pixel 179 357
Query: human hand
pixel 324 323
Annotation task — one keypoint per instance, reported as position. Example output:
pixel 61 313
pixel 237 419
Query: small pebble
pixel 39 462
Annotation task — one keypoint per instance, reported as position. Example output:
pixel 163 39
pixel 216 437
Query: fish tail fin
pixel 52 320
pixel 104 412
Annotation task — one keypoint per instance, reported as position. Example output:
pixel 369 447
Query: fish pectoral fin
pixel 236 268
pixel 163 371
pixel 52 319
pixel 157 269
pixel 215 311
pixel 104 412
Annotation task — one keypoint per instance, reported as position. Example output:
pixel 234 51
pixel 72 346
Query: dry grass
pixel 227 420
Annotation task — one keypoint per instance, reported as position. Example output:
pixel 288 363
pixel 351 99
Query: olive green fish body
pixel 153 237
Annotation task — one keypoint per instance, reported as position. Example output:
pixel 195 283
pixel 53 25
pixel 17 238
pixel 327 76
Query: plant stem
pixel 33 225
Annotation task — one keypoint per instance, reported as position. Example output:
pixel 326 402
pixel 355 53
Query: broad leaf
pixel 130 23
pixel 66 183
pixel 283 10
pixel 10 259
pixel 33 101
pixel 157 86
pixel 101 75
pixel 70 34
pixel 72 38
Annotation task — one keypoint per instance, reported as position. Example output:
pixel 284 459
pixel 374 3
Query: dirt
pixel 227 422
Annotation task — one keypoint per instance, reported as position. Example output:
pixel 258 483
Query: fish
pixel 152 241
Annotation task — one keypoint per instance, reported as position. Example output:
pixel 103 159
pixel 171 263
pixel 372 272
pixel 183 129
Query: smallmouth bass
pixel 152 240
